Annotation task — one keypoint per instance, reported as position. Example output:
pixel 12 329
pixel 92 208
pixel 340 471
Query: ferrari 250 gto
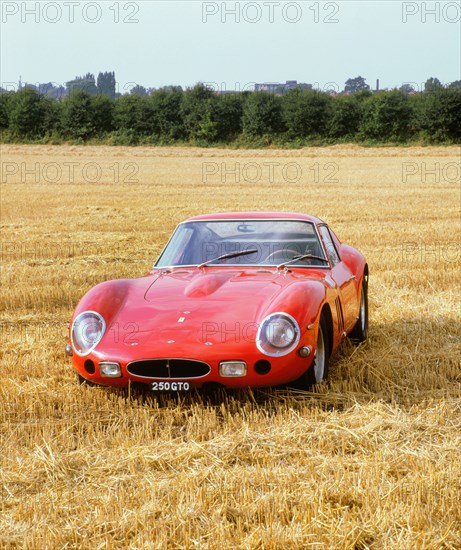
pixel 235 300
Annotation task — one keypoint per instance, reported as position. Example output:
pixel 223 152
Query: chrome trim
pixel 283 351
pixel 245 266
pixel 72 332
pixel 305 351
pixel 110 375
pixel 233 375
pixel 319 358
pixel 314 224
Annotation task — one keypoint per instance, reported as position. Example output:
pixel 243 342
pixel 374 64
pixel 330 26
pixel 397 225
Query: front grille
pixel 168 368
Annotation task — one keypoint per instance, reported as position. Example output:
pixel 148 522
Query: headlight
pixel 87 331
pixel 278 334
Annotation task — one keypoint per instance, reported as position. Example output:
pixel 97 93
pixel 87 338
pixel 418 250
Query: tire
pixel 83 381
pixel 360 331
pixel 318 371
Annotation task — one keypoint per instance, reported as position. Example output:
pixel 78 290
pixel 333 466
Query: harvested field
pixel 370 459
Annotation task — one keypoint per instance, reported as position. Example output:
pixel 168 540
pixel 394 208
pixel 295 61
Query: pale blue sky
pixel 183 42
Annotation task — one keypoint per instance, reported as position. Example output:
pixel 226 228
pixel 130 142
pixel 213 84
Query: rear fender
pixel 355 261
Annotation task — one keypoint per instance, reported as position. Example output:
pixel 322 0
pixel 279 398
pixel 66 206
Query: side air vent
pixel 168 368
pixel 339 315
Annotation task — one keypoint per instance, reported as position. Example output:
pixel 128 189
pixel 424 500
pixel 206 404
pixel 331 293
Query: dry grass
pixel 370 460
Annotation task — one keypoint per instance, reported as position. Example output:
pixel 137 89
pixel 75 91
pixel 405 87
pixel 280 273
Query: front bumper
pixel 261 370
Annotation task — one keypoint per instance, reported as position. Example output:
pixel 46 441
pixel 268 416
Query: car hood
pixel 211 306
pixel 212 295
pixel 217 295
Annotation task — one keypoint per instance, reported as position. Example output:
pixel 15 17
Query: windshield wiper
pixel 228 256
pixel 302 257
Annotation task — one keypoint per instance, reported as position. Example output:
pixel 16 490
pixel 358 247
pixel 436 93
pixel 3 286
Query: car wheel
pixel 360 331
pixel 318 371
pixel 83 381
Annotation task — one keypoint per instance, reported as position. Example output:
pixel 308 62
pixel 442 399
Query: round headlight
pixel 87 331
pixel 278 334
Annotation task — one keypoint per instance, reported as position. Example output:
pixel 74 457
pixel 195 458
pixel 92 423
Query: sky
pixel 231 45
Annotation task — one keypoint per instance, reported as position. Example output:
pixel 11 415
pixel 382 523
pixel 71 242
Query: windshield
pixel 272 241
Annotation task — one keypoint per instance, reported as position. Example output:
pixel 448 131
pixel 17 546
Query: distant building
pixel 279 88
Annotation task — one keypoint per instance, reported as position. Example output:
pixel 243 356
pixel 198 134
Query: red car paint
pixel 212 314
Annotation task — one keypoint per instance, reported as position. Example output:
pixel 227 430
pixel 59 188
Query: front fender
pixel 301 299
pixel 105 298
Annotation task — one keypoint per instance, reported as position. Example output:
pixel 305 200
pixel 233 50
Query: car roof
pixel 256 215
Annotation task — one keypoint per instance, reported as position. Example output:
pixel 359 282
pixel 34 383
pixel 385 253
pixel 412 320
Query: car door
pixel 343 278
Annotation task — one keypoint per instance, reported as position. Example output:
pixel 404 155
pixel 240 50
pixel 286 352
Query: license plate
pixel 170 386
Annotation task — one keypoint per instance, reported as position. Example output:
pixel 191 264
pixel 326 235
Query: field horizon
pixel 370 459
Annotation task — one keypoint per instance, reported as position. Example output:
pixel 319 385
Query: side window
pixel 329 245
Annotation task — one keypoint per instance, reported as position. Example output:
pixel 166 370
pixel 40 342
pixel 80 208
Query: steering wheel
pixel 282 254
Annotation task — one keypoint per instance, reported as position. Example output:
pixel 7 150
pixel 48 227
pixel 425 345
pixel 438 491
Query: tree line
pixel 200 116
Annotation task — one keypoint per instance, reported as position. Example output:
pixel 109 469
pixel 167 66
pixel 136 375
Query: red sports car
pixel 234 300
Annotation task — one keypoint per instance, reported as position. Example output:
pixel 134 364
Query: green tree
pixel 5 99
pixel 103 114
pixel 345 116
pixel 407 88
pixel 27 113
pixel 387 116
pixel 262 115
pixel 441 116
pixel 78 116
pixel 166 106
pixel 197 111
pixel 52 116
pixel 228 112
pixel 305 113
pixel 432 85
pixel 135 114
pixel 106 84
pixel 138 90
pixel 353 85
